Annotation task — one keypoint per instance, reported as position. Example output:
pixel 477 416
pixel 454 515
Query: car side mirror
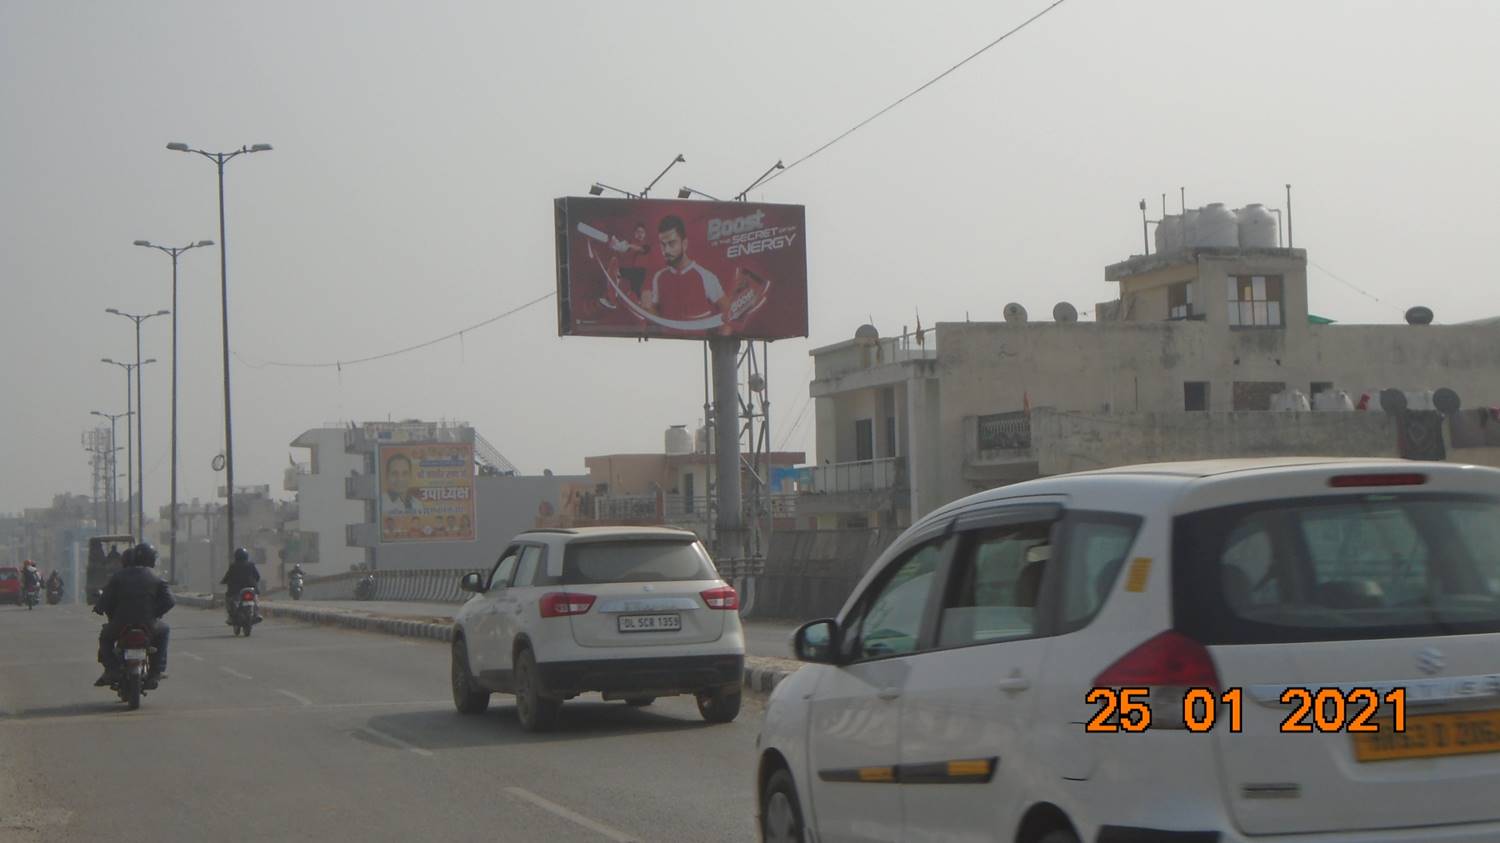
pixel 815 641
pixel 471 582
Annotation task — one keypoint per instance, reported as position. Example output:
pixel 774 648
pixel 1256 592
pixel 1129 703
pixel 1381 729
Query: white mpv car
pixel 1270 650
pixel 633 613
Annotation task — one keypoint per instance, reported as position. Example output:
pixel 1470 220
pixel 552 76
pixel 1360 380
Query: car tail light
pixel 1349 481
pixel 134 639
pixel 247 595
pixel 1166 667
pixel 722 598
pixel 558 604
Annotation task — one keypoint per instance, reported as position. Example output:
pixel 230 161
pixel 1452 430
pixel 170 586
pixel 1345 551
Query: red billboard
pixel 680 269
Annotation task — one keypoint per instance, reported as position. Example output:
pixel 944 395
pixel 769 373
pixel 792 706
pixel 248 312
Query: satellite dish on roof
pixel 1446 401
pixel 1419 316
pixel 1064 312
pixel 1015 314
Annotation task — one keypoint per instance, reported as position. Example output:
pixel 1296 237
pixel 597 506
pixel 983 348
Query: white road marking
pixel 570 815
pixel 232 672
pixel 194 656
pixel 298 697
pixel 18 717
pixel 398 742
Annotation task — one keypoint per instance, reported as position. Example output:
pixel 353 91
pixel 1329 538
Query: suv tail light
pixel 1166 666
pixel 558 604
pixel 722 598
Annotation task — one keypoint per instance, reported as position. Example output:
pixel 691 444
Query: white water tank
pixel 679 441
pixel 1190 227
pixel 1257 227
pixel 1218 227
pixel 702 440
pixel 1331 402
pixel 1169 235
pixel 1290 401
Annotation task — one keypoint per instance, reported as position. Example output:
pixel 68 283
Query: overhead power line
pixel 339 364
pixel 929 83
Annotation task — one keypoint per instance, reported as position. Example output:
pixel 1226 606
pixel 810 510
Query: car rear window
pixel 8 574
pixel 635 561
pixel 1337 568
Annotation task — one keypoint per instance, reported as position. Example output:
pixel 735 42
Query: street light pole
pixel 173 252
pixel 140 410
pixel 129 442
pixel 219 159
pixel 113 460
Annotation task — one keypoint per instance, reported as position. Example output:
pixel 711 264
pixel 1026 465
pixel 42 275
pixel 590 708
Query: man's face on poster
pixel 673 247
pixel 398 476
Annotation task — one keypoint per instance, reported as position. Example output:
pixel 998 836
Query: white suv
pixel 633 613
pixel 1316 644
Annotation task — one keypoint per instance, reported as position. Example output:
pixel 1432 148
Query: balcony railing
pixel 1003 432
pixel 859 476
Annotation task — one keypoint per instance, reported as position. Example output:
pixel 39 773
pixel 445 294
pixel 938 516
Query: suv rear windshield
pixel 635 561
pixel 7 574
pixel 1338 568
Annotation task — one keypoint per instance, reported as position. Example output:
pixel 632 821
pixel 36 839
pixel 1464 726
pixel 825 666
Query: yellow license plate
pixel 1431 736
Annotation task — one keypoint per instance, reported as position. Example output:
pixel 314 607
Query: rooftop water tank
pixel 1257 227
pixel 1329 401
pixel 1218 227
pixel 1169 235
pixel 679 441
pixel 1190 227
pixel 703 440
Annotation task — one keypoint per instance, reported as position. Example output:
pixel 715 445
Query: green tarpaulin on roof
pixel 1318 320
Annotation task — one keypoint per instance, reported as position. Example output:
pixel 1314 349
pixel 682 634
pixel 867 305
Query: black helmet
pixel 127 558
pixel 145 555
pixel 241 555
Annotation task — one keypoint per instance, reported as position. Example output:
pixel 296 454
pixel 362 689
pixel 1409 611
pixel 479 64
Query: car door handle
pixel 1014 682
pixel 888 694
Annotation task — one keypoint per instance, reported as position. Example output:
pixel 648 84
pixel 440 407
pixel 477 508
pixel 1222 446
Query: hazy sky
pixel 418 147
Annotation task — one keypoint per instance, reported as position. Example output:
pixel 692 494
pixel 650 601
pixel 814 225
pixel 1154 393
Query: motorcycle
pixel 133 649
pixel 246 612
pixel 54 596
pixel 295 587
pixel 30 596
pixel 365 588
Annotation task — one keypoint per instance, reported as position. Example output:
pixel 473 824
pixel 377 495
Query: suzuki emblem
pixel 1430 661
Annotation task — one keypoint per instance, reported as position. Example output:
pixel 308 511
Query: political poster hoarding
pixel 680 269
pixel 426 492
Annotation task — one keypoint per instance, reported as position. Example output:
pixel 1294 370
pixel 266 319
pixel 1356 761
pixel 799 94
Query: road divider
pixel 762 674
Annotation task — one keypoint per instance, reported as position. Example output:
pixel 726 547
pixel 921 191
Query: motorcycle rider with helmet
pixel 135 596
pixel 31 577
pixel 242 574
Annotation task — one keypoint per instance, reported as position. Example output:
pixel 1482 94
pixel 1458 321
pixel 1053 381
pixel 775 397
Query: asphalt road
pixel 762 638
pixel 306 732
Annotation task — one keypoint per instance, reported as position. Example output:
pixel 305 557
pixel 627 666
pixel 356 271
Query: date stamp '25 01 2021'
pixel 1309 710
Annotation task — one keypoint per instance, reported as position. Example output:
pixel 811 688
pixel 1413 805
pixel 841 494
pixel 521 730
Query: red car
pixel 10 585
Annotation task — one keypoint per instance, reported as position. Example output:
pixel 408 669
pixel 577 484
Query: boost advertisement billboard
pixel 426 492
pixel 680 269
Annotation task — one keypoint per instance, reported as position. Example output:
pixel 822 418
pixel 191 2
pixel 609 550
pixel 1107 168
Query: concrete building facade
pixel 318 537
pixel 1188 361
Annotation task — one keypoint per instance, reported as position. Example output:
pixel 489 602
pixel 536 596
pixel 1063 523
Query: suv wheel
pixel 468 697
pixel 780 815
pixel 720 706
pixel 536 712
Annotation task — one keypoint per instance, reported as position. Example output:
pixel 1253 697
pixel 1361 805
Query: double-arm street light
pixel 130 368
pixel 173 252
pixel 220 159
pixel 113 462
pixel 140 413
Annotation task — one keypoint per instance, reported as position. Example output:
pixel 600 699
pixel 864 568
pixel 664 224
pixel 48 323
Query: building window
pixel 1255 396
pixel 1320 386
pixel 1195 396
pixel 1180 301
pixel 1254 300
pixel 864 440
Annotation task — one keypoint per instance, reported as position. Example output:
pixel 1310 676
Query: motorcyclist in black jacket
pixel 241 574
pixel 135 596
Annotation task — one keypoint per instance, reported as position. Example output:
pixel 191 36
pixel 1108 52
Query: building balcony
pixel 292 475
pixel 859 486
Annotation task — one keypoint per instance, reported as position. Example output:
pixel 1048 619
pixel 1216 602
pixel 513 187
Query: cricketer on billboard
pixel 427 492
pixel 681 269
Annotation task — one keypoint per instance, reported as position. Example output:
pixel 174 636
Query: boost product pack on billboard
pixel 680 269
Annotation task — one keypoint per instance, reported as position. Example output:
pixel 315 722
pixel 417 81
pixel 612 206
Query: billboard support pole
pixel 730 514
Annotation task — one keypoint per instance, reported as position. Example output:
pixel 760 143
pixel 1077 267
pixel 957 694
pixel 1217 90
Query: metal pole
pixel 725 353
pixel 114 468
pixel 1289 216
pixel 140 439
pixel 172 537
pixel 224 315
pixel 129 454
